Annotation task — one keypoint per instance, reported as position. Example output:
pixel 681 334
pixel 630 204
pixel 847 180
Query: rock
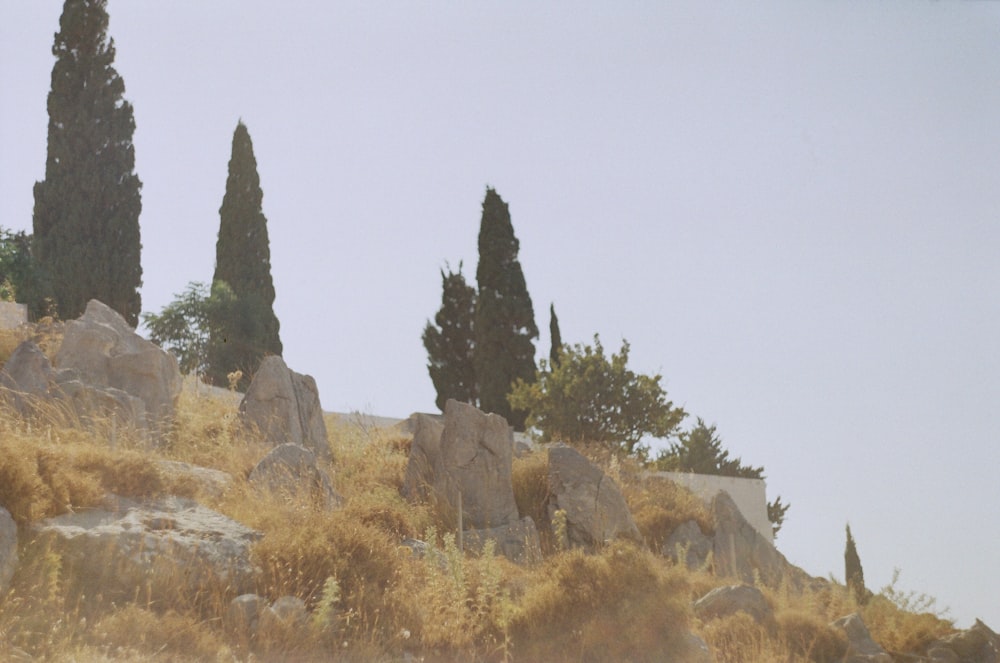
pixel 289 469
pixel 739 551
pixel 8 549
pixel 284 406
pixel 287 611
pixel 425 450
pixel 106 353
pixel 595 509
pixel 979 644
pixel 696 651
pixel 28 372
pixel 156 549
pixel 725 601
pixel 475 461
pixel 861 648
pixel 212 483
pixel 421 549
pixel 686 544
pixel 243 616
pixel 517 541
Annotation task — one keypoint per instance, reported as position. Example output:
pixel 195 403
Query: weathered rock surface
pixel 725 601
pixel 517 541
pixel 424 453
pixel 159 548
pixel 475 460
pixel 595 509
pixel 8 549
pixel 208 481
pixel 243 616
pixel 28 371
pixel 687 544
pixel 979 644
pixel 284 406
pixel 291 469
pixel 861 648
pixel 105 352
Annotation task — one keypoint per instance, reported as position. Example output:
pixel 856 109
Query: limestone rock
pixel 475 460
pixel 517 541
pixel 595 510
pixel 286 612
pixel 424 453
pixel 210 482
pixel 28 371
pixel 8 549
pixel 106 353
pixel 158 548
pixel 725 601
pixel 979 644
pixel 861 648
pixel 243 616
pixel 284 406
pixel 289 469
pixel 686 543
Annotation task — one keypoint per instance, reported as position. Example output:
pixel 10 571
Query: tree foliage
pixel 700 450
pixel 20 275
pixel 591 398
pixel 184 327
pixel 246 328
pixel 556 338
pixel 450 342
pixel 853 573
pixel 504 323
pixel 86 215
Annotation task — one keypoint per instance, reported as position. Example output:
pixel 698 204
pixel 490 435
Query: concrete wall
pixel 750 495
pixel 12 315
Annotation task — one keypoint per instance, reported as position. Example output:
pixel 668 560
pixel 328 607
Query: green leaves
pixel 450 342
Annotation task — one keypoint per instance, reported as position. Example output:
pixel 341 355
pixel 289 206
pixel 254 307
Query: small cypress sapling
pixel 555 336
pixel 854 574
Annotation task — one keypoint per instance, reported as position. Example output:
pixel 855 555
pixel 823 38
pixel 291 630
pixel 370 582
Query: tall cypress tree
pixel 505 320
pixel 86 216
pixel 854 574
pixel 246 329
pixel 450 342
pixel 555 337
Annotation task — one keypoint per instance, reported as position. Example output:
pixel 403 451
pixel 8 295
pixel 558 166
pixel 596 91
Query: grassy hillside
pixel 370 597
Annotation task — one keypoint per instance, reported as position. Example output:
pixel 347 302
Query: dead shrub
pixel 811 637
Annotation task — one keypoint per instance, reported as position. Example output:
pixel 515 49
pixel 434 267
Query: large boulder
pixel 861 648
pixel 284 406
pixel 290 469
pixel 725 601
pixel 425 449
pixel 209 482
pixel 28 371
pixel 474 461
pixel 517 541
pixel 979 644
pixel 157 549
pixel 104 352
pixel 688 545
pixel 595 509
pixel 8 549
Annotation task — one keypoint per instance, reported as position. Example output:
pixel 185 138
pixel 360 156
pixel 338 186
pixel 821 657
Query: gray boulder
pixel 425 449
pixel 157 549
pixel 979 644
pixel 290 469
pixel 725 601
pixel 517 541
pixel 861 648
pixel 243 616
pixel 104 352
pixel 595 509
pixel 475 461
pixel 8 549
pixel 28 372
pixel 687 544
pixel 284 406
pixel 212 483
pixel 288 612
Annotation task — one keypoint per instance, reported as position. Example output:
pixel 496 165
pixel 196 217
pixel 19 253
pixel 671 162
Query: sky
pixel 789 209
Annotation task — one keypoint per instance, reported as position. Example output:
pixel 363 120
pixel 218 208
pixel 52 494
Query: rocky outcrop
pixel 105 353
pixel 425 449
pixel 290 469
pixel 517 541
pixel 284 407
pixel 725 601
pixel 8 549
pixel 206 481
pixel 979 644
pixel 688 545
pixel 157 549
pixel 474 461
pixel 861 648
pixel 594 508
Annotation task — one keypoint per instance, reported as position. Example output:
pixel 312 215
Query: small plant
pixel 234 379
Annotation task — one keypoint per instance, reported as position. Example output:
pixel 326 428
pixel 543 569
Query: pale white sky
pixel 789 208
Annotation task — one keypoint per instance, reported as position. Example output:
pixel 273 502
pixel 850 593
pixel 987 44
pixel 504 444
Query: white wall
pixel 750 495
pixel 12 315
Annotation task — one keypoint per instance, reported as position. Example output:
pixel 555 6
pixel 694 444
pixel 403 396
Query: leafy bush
pixel 591 398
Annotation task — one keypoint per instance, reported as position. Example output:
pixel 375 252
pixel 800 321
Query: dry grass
pixel 659 506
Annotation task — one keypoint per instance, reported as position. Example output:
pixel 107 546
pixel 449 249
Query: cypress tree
pixel 556 338
pixel 450 342
pixel 504 323
pixel 245 329
pixel 853 572
pixel 86 216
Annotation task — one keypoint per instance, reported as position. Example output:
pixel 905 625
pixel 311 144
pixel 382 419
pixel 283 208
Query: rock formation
pixel 725 601
pixel 8 549
pixel 290 469
pixel 424 453
pixel 284 406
